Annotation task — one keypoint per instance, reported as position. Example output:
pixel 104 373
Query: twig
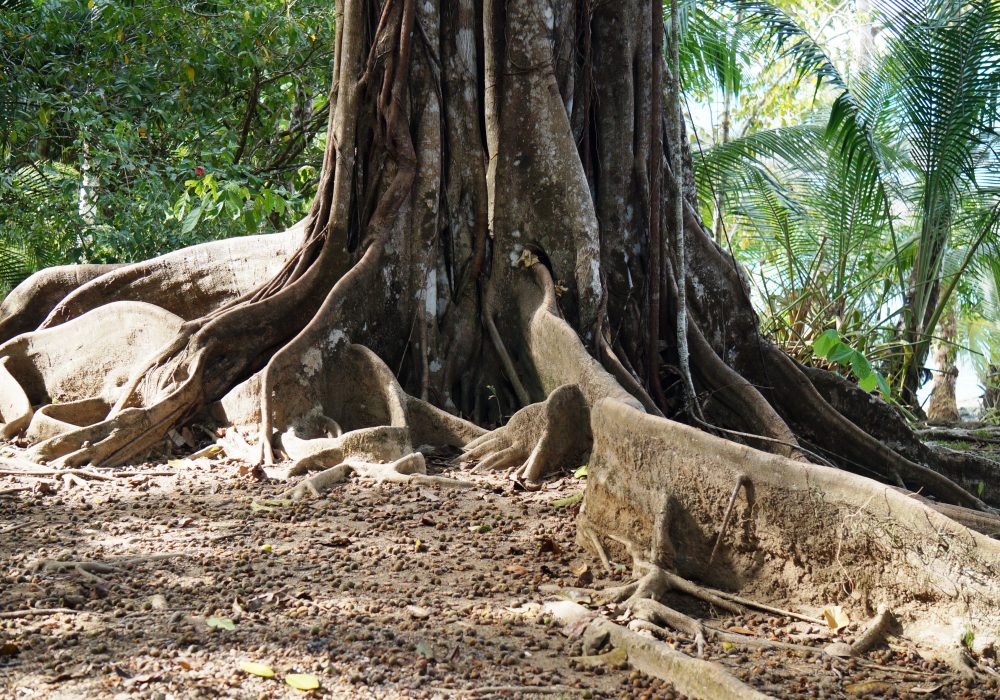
pixel 11 492
pixel 44 471
pixel 31 612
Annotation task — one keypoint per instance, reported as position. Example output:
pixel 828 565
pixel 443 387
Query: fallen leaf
pixel 867 687
pixel 518 570
pixel 9 649
pixel 256 669
pixel 571 500
pixel 302 681
pixel 835 617
pixel 728 646
pixel 839 649
pixel 255 507
pixel 581 472
pixel 613 659
pixel 579 570
pixel 741 630
pixel 925 689
pixel 222 623
pixel 209 452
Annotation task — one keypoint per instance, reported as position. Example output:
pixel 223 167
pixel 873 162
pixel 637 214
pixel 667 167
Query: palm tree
pixel 868 217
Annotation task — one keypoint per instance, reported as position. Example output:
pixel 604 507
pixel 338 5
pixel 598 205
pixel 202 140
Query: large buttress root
pixel 190 282
pixel 30 302
pixel 803 536
pixel 57 381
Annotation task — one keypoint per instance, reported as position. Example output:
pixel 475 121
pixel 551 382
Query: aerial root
pixel 410 469
pixel 93 570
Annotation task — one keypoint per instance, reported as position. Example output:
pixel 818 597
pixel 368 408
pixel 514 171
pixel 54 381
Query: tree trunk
pixel 943 407
pixel 492 234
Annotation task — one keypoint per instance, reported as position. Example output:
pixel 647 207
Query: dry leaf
pixel 835 617
pixel 302 681
pixel 256 669
pixel 839 649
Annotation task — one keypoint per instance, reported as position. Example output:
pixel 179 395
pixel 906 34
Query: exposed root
pixel 810 535
pixel 410 469
pixel 539 439
pixel 694 677
pixel 875 633
pixel 93 570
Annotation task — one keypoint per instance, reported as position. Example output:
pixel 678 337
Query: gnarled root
pixel 409 469
pixel 693 677
pixel 539 439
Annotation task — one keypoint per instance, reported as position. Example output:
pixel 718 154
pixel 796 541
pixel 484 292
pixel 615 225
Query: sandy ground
pixel 376 590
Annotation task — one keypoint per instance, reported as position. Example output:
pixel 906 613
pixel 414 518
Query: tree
pixel 210 111
pixel 501 215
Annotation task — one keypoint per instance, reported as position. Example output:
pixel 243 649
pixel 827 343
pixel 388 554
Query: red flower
pixel 199 171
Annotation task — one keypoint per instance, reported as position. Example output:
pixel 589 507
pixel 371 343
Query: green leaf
pixel 869 383
pixel 861 367
pixel 191 220
pixel 840 353
pixel 825 342
pixel 581 472
pixel 256 669
pixel 222 623
pixel 302 681
pixel 883 385
pixel 563 502
pixel 256 507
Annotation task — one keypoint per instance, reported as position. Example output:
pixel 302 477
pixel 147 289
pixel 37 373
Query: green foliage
pixel 131 129
pixel 883 201
pixel 830 346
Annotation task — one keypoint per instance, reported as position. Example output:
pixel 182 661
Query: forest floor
pixel 192 567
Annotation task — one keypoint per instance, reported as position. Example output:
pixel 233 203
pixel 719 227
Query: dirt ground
pixel 377 590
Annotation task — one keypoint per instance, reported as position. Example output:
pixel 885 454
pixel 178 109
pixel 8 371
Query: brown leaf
pixel 839 649
pixel 835 617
